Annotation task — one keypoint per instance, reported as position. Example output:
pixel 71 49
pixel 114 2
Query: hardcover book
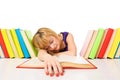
pixel 66 61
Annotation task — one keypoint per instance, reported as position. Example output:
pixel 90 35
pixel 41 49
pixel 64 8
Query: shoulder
pixel 68 35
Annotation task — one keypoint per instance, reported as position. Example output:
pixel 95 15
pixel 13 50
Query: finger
pixel 60 69
pixel 46 68
pixel 50 69
pixel 55 69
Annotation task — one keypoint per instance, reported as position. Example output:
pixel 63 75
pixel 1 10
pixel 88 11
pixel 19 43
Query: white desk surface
pixel 107 69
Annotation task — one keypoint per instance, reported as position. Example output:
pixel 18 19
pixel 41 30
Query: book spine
pixel 7 43
pixel 12 43
pixel 105 43
pixel 3 46
pixel 31 52
pixel 110 44
pixel 30 37
pixel 96 43
pixel 86 42
pixel 91 44
pixel 22 44
pixel 114 44
pixel 17 44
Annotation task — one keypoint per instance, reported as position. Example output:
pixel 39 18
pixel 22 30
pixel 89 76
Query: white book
pixel 65 60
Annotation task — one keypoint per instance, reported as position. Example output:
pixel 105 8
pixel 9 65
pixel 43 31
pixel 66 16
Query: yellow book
pixel 17 44
pixel 12 43
pixel 7 43
pixel 114 44
pixel 30 50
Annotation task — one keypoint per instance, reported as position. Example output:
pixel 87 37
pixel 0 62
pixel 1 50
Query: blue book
pixel 22 44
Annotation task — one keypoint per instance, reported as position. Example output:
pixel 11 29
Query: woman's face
pixel 54 44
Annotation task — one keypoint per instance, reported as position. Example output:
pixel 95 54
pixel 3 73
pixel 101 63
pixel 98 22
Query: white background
pixel 75 16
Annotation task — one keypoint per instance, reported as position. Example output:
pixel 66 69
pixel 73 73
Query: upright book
pixel 86 42
pixel 115 44
pixel 66 61
pixel 30 37
pixel 86 55
pixel 17 44
pixel 25 38
pixel 22 43
pixel 96 43
pixel 3 46
pixel 7 43
pixel 12 43
pixel 105 42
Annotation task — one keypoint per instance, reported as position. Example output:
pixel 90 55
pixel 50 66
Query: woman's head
pixel 47 39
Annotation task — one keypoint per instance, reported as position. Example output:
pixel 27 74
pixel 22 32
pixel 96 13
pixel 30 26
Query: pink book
pixel 86 42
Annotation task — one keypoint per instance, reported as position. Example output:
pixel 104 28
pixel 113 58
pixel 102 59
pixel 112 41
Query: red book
pixel 105 43
pixel 3 46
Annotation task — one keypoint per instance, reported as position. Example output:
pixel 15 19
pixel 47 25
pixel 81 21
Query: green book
pixel 96 44
pixel 30 36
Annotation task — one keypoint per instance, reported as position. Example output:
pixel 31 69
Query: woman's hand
pixel 52 66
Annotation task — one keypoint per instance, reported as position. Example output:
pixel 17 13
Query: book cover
pixel 30 50
pixel 105 43
pixel 66 61
pixel 114 44
pixel 110 44
pixel 3 46
pixel 91 44
pixel 22 44
pixel 7 43
pixel 17 44
pixel 12 43
pixel 86 42
pixel 102 40
pixel 96 43
pixel 30 36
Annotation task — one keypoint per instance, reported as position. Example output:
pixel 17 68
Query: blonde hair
pixel 41 38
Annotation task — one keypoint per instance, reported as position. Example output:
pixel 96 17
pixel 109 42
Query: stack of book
pixel 16 43
pixel 102 43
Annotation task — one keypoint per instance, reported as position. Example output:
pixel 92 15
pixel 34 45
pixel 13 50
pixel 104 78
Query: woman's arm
pixel 71 46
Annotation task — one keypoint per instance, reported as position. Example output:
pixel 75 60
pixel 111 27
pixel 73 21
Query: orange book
pixel 105 43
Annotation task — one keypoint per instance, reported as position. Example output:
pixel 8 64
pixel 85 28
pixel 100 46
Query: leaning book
pixel 67 62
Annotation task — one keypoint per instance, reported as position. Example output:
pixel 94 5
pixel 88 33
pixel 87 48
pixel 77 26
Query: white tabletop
pixel 107 69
